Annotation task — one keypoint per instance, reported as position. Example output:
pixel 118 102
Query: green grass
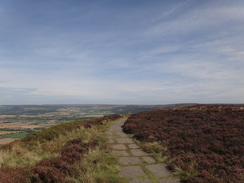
pixel 15 135
pixel 159 153
pixel 99 165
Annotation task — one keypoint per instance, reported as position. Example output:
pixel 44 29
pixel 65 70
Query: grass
pixel 97 165
pixel 21 155
pixel 185 175
pixel 159 153
pixel 155 150
pixel 15 135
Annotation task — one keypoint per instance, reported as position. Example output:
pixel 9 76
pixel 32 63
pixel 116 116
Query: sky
pixel 121 52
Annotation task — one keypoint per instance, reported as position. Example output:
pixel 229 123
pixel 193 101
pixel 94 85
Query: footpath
pixel 136 165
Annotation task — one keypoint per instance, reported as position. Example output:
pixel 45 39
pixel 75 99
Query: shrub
pixel 14 175
pixel 47 174
pixel 211 134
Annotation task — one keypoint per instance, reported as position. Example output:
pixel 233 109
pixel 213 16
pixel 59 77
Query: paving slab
pixel 132 171
pixel 119 146
pixel 129 160
pixel 132 159
pixel 111 130
pixel 169 181
pixel 121 135
pixel 148 159
pixel 159 170
pixel 133 146
pixel 138 152
pixel 121 152
pixel 125 141
pixel 110 136
pixel 140 181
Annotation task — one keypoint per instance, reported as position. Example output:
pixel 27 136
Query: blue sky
pixel 121 52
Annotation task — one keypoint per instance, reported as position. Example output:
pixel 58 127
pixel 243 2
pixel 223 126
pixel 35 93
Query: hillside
pixel 66 153
pixel 203 143
pixel 82 108
pixel 17 121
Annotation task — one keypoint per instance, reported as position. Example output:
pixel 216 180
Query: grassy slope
pixel 72 152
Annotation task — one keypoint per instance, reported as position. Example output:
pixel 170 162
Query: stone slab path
pixel 136 165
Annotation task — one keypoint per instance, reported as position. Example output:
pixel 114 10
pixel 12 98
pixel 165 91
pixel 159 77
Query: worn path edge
pixel 136 165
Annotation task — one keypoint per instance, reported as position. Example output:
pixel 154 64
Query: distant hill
pixel 109 109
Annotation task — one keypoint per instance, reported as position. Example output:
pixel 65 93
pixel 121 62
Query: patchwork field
pixel 18 121
pixel 6 140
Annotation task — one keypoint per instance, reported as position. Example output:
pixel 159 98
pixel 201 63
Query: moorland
pixel 17 121
pixel 199 143
pixel 65 153
pixel 202 143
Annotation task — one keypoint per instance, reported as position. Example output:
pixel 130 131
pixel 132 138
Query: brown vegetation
pixel 204 142
pixel 67 152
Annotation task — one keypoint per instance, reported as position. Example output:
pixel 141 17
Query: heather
pixel 59 154
pixel 203 143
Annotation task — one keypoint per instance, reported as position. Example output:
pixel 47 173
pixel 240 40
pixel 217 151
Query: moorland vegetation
pixel 203 143
pixel 66 153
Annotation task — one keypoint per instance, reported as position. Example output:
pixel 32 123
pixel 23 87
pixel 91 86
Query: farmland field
pixel 6 140
pixel 4 132
pixel 19 120
pixel 16 135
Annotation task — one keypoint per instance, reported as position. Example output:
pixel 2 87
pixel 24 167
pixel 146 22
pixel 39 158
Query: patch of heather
pixel 208 138
pixel 53 170
pixel 16 175
pixel 56 169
